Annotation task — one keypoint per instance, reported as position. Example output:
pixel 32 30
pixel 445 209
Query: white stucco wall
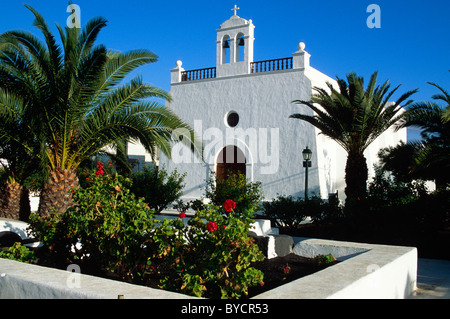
pixel 264 104
pixel 389 138
pixel 270 140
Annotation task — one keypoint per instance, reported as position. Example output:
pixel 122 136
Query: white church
pixel 240 110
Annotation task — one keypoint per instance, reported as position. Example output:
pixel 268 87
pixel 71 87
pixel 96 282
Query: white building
pixel 241 108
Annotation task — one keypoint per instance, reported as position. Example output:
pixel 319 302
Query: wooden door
pixel 230 160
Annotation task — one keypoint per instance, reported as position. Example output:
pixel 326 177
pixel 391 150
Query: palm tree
pixel 354 117
pixel 426 159
pixel 76 104
pixel 18 165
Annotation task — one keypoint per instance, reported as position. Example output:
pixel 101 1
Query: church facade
pixel 240 110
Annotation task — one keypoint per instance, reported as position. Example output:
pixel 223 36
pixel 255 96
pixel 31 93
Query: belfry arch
pixel 226 50
pixel 240 47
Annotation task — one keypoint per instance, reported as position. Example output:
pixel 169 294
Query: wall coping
pixel 366 271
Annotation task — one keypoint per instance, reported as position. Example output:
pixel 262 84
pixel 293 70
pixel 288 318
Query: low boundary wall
pixel 365 271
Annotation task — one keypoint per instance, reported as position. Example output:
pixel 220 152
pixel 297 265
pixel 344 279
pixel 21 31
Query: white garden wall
pixel 366 271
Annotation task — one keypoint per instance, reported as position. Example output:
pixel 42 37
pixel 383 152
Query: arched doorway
pixel 230 160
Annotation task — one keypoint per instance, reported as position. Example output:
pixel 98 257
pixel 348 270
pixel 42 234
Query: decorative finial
pixel 235 9
pixel 301 46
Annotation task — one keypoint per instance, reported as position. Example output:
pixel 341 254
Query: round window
pixel 232 119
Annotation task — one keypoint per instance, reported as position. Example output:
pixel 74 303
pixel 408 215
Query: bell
pixel 241 42
pixel 226 45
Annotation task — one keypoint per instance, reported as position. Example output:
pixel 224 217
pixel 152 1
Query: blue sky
pixel 411 47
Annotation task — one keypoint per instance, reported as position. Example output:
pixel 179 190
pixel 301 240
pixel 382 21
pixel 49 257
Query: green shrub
pixel 237 187
pixel 288 212
pixel 285 211
pixel 51 230
pixel 107 228
pixel 19 253
pixel 112 230
pixel 158 187
pixel 324 259
pixel 394 209
pixel 325 211
pixel 181 206
pixel 212 255
pixel 197 205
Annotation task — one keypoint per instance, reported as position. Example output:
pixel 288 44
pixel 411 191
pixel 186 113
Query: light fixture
pixel 307 153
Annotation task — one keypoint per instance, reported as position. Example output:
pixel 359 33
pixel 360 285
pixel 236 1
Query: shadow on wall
pixel 18 227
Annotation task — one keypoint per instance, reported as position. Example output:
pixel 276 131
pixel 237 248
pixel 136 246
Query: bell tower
pixel 234 46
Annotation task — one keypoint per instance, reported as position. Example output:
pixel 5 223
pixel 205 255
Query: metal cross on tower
pixel 235 9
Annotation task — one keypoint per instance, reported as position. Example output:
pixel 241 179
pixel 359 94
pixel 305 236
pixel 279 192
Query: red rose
pixel 211 227
pixel 182 214
pixel 229 205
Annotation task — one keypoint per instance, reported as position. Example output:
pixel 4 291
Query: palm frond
pixel 54 50
pixel 425 115
pixel 444 96
pixel 74 100
pixel 353 115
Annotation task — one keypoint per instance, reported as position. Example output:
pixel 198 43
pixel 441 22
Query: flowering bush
pixel 247 195
pixel 106 229
pixel 212 255
pixel 112 230
pixel 285 269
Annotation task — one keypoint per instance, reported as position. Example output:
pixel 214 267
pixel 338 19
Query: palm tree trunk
pixel 56 195
pixel 25 206
pixel 356 176
pixel 14 201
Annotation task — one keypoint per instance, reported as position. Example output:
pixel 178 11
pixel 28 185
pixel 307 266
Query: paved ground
pixel 433 279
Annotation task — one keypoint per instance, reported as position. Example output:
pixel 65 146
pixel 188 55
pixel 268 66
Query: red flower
pixel 229 205
pixel 182 214
pixel 211 227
